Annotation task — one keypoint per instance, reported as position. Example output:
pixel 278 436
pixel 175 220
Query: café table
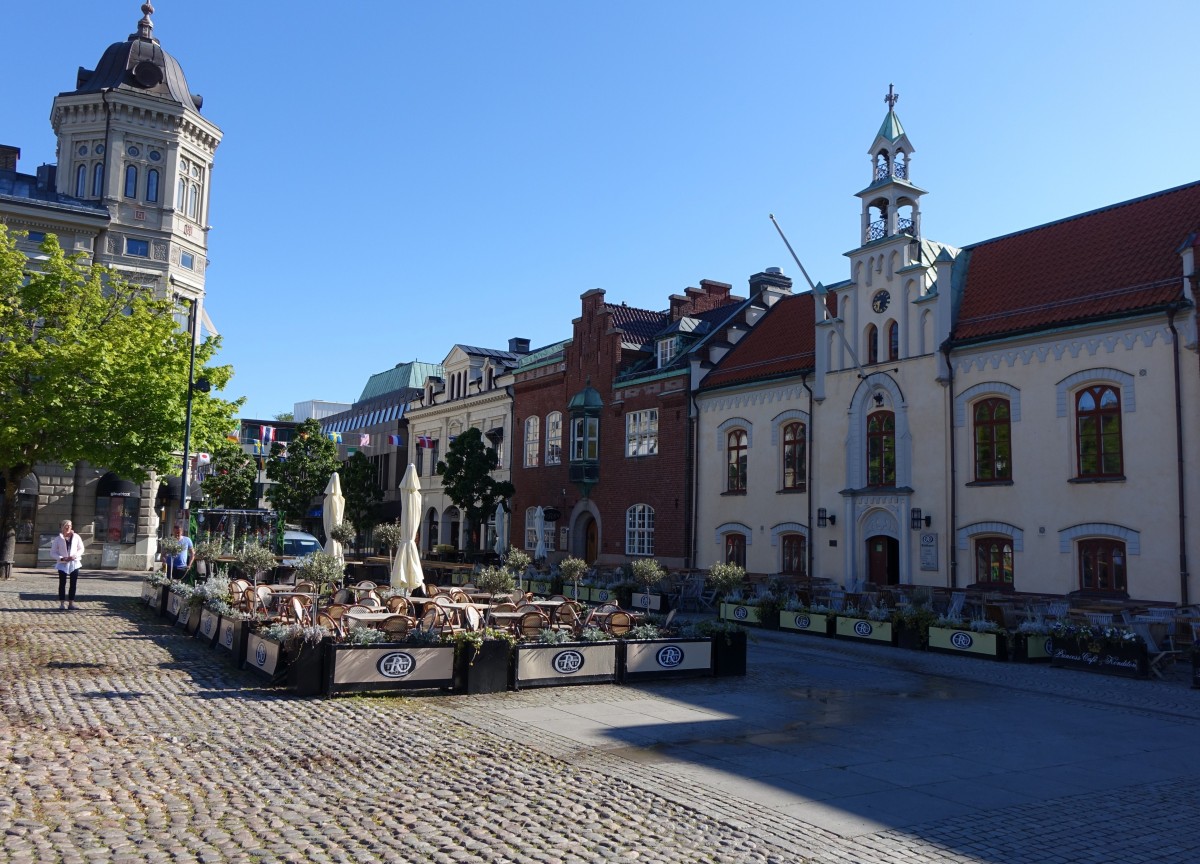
pixel 367 619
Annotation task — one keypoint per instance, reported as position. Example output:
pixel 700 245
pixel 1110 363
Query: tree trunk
pixel 8 519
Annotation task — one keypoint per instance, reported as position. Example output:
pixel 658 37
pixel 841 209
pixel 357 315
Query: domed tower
pixel 891 204
pixel 130 135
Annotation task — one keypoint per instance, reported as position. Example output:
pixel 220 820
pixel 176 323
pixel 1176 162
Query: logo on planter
pixel 741 613
pixel 396 665
pixel 567 662
pixel 962 640
pixel 227 637
pixel 1048 646
pixel 260 654
pixel 862 628
pixel 644 600
pixel 803 622
pixel 603 596
pixel 207 628
pixel 669 656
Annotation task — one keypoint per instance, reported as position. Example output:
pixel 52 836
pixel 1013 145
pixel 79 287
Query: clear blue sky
pixel 397 177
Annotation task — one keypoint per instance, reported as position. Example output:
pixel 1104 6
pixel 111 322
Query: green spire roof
pixel 891 128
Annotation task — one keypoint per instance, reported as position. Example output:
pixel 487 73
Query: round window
pixel 133 151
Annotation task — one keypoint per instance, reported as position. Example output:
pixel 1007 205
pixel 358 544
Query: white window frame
pixel 641 433
pixel 554 438
pixel 667 349
pixel 639 530
pixel 532 440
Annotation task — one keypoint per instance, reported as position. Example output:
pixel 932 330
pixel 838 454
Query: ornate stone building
pixel 130 190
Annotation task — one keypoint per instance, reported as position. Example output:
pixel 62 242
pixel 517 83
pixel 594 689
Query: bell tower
pixel 131 136
pixel 891 204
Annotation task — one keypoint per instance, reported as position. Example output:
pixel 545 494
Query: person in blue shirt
pixel 181 562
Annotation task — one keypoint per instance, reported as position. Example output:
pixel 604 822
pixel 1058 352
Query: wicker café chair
pixel 399 605
pixel 531 624
pixel 397 627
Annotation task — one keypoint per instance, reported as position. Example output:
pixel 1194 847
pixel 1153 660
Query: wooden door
pixel 883 560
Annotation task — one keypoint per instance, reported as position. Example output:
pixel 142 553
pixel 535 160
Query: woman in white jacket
pixel 67 549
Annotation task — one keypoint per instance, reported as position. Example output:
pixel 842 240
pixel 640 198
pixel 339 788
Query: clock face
pixel 880 301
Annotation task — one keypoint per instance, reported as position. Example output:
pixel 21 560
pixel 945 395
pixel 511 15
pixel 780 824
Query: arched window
pixel 131 181
pixel 639 530
pixel 1098 426
pixel 98 180
pixel 1102 565
pixel 532 441
pixel 736 446
pixel 994 560
pixel 794 461
pixel 554 438
pixel 152 185
pixel 881 449
pixel 432 521
pixel 872 344
pixel 735 549
pixel 793 555
pixel 81 181
pixel 993 441
pixel 893 332
pixel 181 192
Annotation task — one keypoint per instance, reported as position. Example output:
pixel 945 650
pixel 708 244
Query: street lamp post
pixel 203 386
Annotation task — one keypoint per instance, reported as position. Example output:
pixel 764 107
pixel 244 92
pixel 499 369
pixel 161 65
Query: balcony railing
pixel 877 230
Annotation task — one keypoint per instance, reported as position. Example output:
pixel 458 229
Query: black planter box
pixel 1126 661
pixel 1030 648
pixel 911 638
pixel 1196 670
pixel 306 668
pixel 231 639
pixel 387 666
pixel 729 654
pixel 488 670
pixel 542 665
pixel 209 628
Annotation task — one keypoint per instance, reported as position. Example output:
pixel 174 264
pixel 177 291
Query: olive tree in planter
pixel 254 560
pixel 206 554
pixel 518 561
pixel 647 573
pixel 389 535
pixel 495 580
pixel 572 570
pixel 343 533
pixel 321 569
pixel 169 547
pixel 726 580
pixel 482 660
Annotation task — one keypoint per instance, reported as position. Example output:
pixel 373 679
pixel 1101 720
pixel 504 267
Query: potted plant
pixel 389 535
pixel 727 580
pixel 517 561
pixel 342 532
pixel 214 598
pixel 646 652
pixel 367 661
pixel 912 625
pixel 156 590
pixel 495 580
pixel 817 619
pixel 572 570
pixel 872 625
pixel 253 560
pixel 737 607
pixel 981 638
pixel 769 605
pixel 208 552
pixel 647 573
pixel 558 658
pixel 304 655
pixel 169 547
pixel 323 570
pixel 1111 650
pixel 482 660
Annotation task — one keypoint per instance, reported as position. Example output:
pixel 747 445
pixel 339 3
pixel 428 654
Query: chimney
pixel 517 345
pixel 8 157
pixel 47 176
pixel 771 278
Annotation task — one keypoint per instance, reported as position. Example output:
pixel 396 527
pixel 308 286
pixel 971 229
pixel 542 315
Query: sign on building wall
pixel 929 550
pixel 562 537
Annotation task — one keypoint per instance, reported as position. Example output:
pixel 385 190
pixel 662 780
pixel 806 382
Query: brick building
pixel 604 423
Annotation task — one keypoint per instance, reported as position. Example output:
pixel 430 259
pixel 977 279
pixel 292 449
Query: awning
pixel 314 513
pixel 112 485
pixel 170 489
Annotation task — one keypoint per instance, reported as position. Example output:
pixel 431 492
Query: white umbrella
pixel 499 547
pixel 406 569
pixel 539 524
pixel 331 514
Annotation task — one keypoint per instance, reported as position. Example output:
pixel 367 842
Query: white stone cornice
pixel 1054 351
pixel 748 398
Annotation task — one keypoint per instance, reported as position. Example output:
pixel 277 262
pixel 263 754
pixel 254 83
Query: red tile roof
pixel 1097 265
pixel 780 344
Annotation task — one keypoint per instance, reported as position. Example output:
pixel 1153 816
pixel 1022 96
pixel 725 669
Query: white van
pixel 297 544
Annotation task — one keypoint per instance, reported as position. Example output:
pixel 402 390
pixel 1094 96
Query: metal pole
pixel 187 428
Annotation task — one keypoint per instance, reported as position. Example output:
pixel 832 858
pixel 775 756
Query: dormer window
pixel 666 351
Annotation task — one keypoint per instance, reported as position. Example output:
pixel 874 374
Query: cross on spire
pixel 892 97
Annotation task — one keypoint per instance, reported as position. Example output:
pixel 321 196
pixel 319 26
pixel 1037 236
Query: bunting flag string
pixel 335 437
pixel 425 441
pixel 364 440
pixel 394 441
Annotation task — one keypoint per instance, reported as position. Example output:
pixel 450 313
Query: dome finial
pixel 891 98
pixel 146 26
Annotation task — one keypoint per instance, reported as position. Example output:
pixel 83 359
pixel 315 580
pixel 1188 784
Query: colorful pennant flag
pixel 203 458
pixel 335 437
pixel 424 441
pixel 394 441
pixel 364 440
pixel 267 433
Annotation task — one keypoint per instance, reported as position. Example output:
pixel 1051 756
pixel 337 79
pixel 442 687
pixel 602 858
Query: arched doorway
pixel 431 530
pixel 452 525
pixel 585 538
pixel 883 560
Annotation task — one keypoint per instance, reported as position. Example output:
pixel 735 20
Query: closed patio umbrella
pixel 539 524
pixel 406 569
pixel 499 547
pixel 331 514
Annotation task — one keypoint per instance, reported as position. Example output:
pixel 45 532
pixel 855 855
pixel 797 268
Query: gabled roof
pixel 780 344
pixel 1106 263
pixel 641 324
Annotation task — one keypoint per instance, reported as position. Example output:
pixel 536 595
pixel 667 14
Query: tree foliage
pixel 361 490
pixel 467 479
pixel 231 483
pixel 94 368
pixel 301 470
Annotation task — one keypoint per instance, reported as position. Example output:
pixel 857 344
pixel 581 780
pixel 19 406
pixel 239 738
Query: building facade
pixel 1016 415
pixel 131 191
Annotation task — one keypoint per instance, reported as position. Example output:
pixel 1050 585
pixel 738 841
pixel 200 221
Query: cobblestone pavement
pixel 126 741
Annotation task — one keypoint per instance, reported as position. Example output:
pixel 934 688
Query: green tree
pixel 94 368
pixel 361 490
pixel 285 416
pixel 231 483
pixel 300 471
pixel 467 478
